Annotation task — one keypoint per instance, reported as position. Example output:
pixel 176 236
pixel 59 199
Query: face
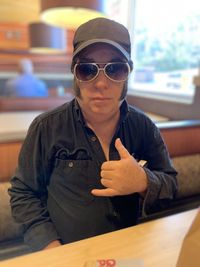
pixel 100 96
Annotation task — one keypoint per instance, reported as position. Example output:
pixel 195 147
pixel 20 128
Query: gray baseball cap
pixel 103 30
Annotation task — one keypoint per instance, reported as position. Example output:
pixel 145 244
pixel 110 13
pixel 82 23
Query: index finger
pixel 109 165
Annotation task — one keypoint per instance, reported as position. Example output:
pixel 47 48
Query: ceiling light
pixel 46 38
pixel 70 14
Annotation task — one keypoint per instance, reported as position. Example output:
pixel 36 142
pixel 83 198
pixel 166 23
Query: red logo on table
pixel 106 263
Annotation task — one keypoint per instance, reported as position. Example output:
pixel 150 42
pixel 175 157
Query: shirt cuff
pixel 153 188
pixel 39 236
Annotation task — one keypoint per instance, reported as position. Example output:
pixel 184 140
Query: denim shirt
pixel 59 165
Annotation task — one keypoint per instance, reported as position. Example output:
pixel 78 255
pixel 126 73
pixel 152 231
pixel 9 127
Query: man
pixel 25 84
pixel 79 172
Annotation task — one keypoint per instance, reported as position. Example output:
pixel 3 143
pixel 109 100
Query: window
pixel 166 46
pixel 119 10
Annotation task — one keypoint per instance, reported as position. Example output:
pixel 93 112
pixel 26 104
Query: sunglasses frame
pixel 101 69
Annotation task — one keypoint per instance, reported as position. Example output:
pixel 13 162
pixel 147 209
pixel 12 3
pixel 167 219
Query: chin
pixel 103 110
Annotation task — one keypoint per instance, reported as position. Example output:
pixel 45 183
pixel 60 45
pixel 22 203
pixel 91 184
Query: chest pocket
pixel 73 180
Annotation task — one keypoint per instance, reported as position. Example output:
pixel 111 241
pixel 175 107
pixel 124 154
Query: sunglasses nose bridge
pixel 102 70
pixel 101 73
pixel 105 72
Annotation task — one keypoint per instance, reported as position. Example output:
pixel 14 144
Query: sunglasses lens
pixel 117 71
pixel 85 71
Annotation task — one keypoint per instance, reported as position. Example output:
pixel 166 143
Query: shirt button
pixel 115 214
pixel 71 164
pixel 93 138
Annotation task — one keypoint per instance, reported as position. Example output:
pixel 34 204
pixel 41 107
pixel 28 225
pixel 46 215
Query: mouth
pixel 101 99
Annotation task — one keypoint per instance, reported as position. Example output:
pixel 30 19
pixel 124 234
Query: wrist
pixel 53 244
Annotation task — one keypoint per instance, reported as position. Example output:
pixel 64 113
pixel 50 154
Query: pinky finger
pixel 107 192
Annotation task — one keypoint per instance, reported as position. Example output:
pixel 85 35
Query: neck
pixel 100 121
pixel 104 130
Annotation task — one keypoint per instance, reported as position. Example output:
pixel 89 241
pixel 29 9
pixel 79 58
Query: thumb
pixel 123 152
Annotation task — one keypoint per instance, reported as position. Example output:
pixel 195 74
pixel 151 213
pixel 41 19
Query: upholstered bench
pixel 183 141
pixel 11 234
pixel 188 167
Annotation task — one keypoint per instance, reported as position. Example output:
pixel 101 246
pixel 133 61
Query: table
pixel 14 125
pixel 156 118
pixel 156 242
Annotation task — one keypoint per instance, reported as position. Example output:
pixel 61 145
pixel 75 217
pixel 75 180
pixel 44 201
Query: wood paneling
pixel 13 36
pixel 8 159
pixel 182 141
pixel 59 63
pixel 16 104
pixel 16 36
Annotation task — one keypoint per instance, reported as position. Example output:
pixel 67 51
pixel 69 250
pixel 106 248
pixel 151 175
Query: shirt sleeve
pixel 161 175
pixel 28 191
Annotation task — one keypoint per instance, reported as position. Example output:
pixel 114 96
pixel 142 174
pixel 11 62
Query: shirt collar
pixel 78 112
pixel 124 110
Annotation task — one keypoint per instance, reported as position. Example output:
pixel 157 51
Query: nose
pixel 101 81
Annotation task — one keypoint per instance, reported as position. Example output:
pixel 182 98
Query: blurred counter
pixel 14 125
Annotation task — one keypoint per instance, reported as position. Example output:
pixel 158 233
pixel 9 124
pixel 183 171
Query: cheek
pixel 81 85
pixel 84 90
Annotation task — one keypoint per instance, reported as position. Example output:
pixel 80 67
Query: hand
pixel 121 177
pixel 53 244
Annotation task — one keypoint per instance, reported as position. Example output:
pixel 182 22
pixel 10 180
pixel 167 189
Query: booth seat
pixel 183 141
pixel 11 234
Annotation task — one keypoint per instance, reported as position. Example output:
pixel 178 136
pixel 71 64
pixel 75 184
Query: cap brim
pixel 106 41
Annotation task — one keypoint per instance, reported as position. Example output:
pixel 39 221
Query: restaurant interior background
pixel 166 54
pixel 165 83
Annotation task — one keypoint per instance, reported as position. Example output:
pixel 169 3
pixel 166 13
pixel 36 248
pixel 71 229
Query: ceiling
pixel 19 11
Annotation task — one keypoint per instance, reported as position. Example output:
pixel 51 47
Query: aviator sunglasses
pixel 115 71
